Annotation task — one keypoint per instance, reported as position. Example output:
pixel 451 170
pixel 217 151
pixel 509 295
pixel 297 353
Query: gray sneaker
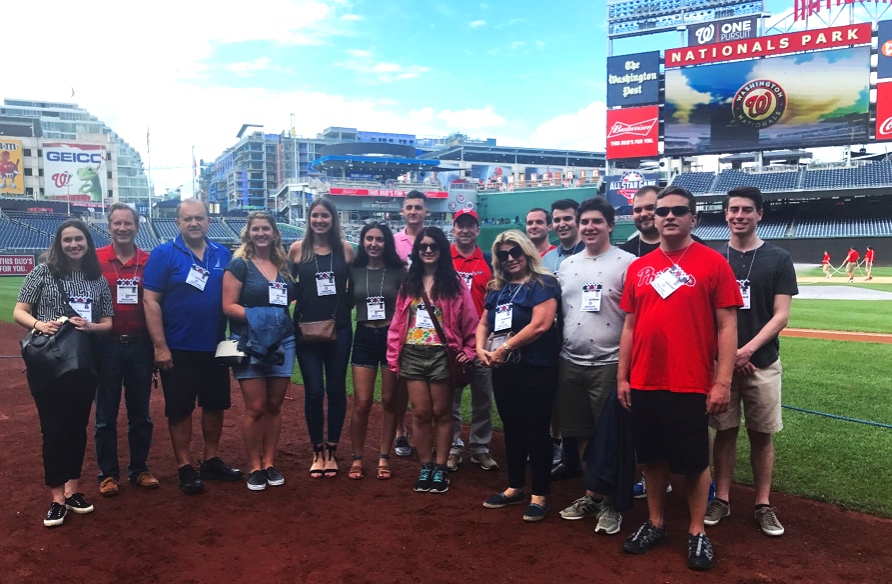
pixel 455 459
pixel 768 521
pixel 581 508
pixel 609 520
pixel 485 460
pixel 716 511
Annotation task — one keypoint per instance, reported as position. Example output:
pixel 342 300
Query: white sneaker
pixel 581 508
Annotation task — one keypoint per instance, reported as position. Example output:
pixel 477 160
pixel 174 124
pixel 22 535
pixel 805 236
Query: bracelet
pixel 506 346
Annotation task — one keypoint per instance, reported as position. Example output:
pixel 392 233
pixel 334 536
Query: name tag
pixel 375 306
pixel 128 291
pixel 468 277
pixel 423 318
pixel 669 281
pixel 503 316
pixel 591 297
pixel 198 277
pixel 745 293
pixel 325 284
pixel 278 294
pixel 83 306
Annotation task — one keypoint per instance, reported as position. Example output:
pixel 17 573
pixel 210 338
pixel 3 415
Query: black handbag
pixel 49 357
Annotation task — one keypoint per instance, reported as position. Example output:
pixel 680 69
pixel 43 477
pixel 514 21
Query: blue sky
pixel 526 73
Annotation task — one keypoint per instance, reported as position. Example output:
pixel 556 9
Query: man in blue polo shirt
pixel 184 316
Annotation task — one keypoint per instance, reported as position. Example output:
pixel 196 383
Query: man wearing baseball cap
pixel 475 269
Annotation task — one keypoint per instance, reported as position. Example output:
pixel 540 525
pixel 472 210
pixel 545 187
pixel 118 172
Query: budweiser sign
pixel 642 128
pixel 633 132
pixel 811 40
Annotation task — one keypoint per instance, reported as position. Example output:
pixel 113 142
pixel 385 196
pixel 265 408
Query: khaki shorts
pixel 760 395
pixel 427 362
pixel 582 391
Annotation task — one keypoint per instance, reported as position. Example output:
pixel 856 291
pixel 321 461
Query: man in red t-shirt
pixel 869 257
pixel 851 263
pixel 681 305
pixel 475 269
pixel 825 264
pixel 127 358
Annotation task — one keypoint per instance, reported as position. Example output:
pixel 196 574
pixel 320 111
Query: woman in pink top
pixel 417 353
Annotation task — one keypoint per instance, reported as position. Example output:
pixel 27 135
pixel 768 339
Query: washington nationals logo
pixel 705 35
pixel 60 179
pixel 759 104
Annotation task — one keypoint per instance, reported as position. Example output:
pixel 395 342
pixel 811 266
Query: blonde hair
pixel 277 252
pixel 534 262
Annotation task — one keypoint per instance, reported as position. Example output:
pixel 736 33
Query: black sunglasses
pixel 514 252
pixel 678 211
pixel 433 247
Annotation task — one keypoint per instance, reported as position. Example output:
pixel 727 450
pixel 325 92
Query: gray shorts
pixel 582 391
pixel 427 362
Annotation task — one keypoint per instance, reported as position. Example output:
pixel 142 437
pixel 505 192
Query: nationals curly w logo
pixel 759 104
pixel 61 179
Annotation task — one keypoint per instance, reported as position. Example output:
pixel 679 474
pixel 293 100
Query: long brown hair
pixel 57 261
pixel 335 236
pixel 277 252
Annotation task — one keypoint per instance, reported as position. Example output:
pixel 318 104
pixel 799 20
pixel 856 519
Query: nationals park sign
pixel 781 44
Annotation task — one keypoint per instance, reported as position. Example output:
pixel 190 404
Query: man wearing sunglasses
pixel 591 288
pixel 676 358
pixel 475 269
pixel 767 283
pixel 644 202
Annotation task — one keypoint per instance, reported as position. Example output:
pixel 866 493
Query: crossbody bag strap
pixel 69 311
pixel 434 319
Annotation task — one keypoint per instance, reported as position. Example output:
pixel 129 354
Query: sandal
pixel 318 459
pixel 330 459
pixel 356 469
pixel 383 469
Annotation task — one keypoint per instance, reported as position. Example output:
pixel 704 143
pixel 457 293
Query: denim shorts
pixel 427 362
pixel 245 370
pixel 370 347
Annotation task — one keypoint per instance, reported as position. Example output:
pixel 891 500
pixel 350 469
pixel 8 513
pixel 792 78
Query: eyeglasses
pixel 678 211
pixel 431 247
pixel 514 252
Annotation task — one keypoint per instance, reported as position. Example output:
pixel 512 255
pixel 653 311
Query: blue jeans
pixel 323 367
pixel 130 364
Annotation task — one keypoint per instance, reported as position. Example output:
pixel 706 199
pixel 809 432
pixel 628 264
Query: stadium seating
pixel 868 175
pixel 15 236
pixel 764 181
pixel 696 182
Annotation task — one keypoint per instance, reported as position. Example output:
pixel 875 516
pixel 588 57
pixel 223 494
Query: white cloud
pixel 511 22
pixel 471 119
pixel 382 71
pixel 477 23
pixel 586 129
pixel 517 44
pixel 246 67
pixel 350 17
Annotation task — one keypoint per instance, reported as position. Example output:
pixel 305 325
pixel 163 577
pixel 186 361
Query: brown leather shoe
pixel 108 487
pixel 146 480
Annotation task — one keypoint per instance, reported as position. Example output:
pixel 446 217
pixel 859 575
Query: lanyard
pixel 508 287
pixel 135 267
pixel 674 264
pixel 753 261
pixel 383 275
pixel 203 264
pixel 331 258
pixel 262 271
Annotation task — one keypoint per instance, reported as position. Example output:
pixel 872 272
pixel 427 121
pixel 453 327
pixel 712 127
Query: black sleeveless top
pixel 312 307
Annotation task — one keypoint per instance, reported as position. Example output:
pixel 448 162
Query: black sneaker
pixel 77 504
pixel 56 515
pixel 217 470
pixel 256 481
pixel 700 552
pixel 644 538
pixel 440 479
pixel 190 480
pixel 425 477
pixel 273 477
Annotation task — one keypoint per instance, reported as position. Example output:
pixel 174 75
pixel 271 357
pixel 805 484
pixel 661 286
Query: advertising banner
pixel 621 187
pixel 633 79
pixel 383 193
pixel 491 176
pixel 884 50
pixel 780 44
pixel 74 172
pixel 12 181
pixel 723 31
pixel 16 265
pixel 781 102
pixel 884 111
pixel 633 132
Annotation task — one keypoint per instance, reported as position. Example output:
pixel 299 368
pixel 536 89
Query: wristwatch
pixel 506 346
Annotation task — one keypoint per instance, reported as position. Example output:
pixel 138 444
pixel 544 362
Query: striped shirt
pixel 40 291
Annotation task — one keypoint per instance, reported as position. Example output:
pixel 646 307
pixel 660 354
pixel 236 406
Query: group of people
pixel 852 261
pixel 620 354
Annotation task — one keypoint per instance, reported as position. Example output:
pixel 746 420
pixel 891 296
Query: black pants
pixel 64 411
pixel 525 399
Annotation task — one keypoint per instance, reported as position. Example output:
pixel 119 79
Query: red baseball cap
pixel 464 212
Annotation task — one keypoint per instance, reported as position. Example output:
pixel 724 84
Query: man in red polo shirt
pixel 126 358
pixel 475 269
pixel 869 257
pixel 851 263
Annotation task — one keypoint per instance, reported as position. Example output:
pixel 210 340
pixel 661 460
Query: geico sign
pixel 885 128
pixel 79 157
